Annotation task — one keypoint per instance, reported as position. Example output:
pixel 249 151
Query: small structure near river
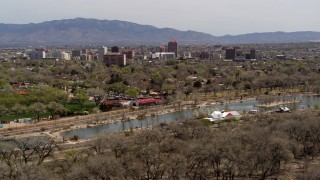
pixel 222 115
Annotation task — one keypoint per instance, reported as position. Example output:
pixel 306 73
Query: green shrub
pixel 206 122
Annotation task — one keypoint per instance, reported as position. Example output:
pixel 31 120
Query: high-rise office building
pixel 115 59
pixel 116 49
pixel 130 54
pixel 76 53
pixel 37 55
pixel 101 52
pixel 173 47
pixel 252 54
pixel 230 53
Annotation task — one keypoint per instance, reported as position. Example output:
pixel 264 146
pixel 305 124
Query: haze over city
pixel 209 16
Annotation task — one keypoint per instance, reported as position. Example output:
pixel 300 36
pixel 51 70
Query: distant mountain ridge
pixel 92 31
pixel 273 37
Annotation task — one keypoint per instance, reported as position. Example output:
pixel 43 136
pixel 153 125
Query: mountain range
pixel 92 31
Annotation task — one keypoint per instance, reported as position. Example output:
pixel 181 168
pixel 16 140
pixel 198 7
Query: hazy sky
pixel 216 17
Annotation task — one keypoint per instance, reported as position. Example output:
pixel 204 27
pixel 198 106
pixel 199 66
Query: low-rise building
pixel 163 55
pixel 221 115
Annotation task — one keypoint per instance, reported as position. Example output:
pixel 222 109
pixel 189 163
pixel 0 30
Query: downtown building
pixel 101 52
pixel 115 59
pixel 230 54
pixel 163 55
pixel 173 47
pixel 37 55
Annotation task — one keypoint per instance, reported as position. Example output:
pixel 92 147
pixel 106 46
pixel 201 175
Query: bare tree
pixel 44 150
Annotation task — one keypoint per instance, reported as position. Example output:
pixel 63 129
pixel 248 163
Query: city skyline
pixel 209 16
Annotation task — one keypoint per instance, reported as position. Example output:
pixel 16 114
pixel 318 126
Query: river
pixel 88 133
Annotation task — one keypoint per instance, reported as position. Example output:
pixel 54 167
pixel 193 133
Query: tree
pixel 97 93
pixel 3 111
pixel 132 92
pixel 118 87
pixel 44 149
pixel 37 108
pixel 197 84
pixel 81 96
pixel 55 109
pixel 19 109
pixel 187 90
pixel 99 145
pixel 103 167
pixel 45 94
pixel 25 148
pixel 8 154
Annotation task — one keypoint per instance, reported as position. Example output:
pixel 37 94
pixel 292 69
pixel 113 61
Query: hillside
pixel 79 30
pixel 92 31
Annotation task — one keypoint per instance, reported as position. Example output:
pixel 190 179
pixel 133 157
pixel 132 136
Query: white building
pixel 163 55
pixel 186 55
pixel 101 52
pixel 65 56
pixel 221 115
pixel 61 55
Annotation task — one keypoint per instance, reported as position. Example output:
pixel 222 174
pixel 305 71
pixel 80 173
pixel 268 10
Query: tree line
pixel 256 147
pixel 50 81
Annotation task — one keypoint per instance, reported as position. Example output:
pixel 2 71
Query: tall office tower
pixel 76 53
pixel 116 49
pixel 101 52
pixel 230 53
pixel 173 47
pixel 252 54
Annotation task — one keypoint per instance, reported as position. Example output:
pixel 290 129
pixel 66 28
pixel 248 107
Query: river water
pixel 87 133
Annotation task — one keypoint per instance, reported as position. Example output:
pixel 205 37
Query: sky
pixel 216 17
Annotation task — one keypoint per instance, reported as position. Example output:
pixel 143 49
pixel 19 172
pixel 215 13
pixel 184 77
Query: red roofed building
pixel 114 102
pixel 23 92
pixel 150 101
pixel 147 101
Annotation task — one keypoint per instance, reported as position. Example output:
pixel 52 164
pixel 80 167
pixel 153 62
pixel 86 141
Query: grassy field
pixel 12 117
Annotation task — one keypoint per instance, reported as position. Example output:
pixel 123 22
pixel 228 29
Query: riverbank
pixel 277 103
pixel 56 132
pixel 57 128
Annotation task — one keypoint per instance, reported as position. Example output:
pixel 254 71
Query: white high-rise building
pixel 101 52
pixel 65 56
pixel 61 55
